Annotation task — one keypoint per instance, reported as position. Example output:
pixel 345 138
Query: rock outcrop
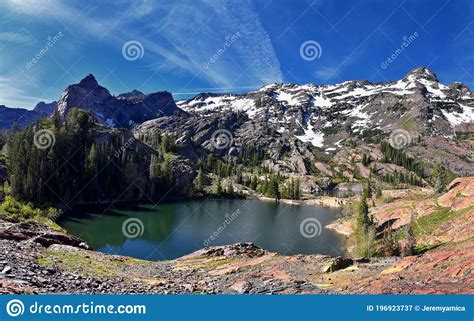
pixel 122 111
pixel 439 219
pixel 39 233
pixel 46 109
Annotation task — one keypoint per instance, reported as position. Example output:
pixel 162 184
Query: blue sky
pixel 192 46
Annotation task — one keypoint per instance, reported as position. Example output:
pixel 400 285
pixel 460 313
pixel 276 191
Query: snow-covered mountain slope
pixel 325 115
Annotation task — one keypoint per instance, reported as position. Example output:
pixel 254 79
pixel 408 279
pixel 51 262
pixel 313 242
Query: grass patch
pixel 80 262
pixel 426 225
pixel 45 261
pixel 391 270
pixel 400 233
pixel 216 263
pixel 138 261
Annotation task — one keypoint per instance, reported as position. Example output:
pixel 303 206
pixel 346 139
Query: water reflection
pixel 175 229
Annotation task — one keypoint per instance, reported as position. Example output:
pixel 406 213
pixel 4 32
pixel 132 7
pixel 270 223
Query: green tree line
pixel 82 165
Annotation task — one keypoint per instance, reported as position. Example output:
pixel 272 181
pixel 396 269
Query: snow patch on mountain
pixel 321 101
pixel 316 138
pixel 227 102
pixel 434 92
pixel 458 118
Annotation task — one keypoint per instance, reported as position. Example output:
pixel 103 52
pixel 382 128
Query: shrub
pixel 409 248
pixel 365 242
pixel 389 244
pixel 12 208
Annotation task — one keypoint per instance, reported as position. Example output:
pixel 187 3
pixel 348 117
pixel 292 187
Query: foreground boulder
pixel 39 233
pixel 338 263
pixel 248 250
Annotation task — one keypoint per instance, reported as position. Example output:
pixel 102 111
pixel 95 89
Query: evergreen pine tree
pixel 230 189
pixel 219 186
pixel 199 181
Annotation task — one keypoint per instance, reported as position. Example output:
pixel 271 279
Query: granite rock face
pixel 124 110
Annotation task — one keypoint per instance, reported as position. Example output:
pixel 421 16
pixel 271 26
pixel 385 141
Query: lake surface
pixel 171 230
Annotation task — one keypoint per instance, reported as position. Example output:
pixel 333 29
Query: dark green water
pixel 171 230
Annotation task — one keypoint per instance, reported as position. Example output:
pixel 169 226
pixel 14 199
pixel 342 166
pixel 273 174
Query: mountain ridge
pixel 89 94
pixel 297 122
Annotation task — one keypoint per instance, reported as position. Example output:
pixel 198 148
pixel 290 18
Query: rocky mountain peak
pixel 46 108
pixel 460 86
pixel 421 72
pixel 89 82
pixel 86 94
pixel 120 111
pixel 203 96
pixel 134 94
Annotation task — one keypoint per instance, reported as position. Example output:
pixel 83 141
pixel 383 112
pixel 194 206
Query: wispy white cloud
pixel 326 73
pixel 29 7
pixel 178 35
pixel 192 32
pixel 14 95
pixel 15 37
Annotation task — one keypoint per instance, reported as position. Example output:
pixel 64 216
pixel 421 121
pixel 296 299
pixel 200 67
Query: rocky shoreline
pixel 326 201
pixel 27 266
